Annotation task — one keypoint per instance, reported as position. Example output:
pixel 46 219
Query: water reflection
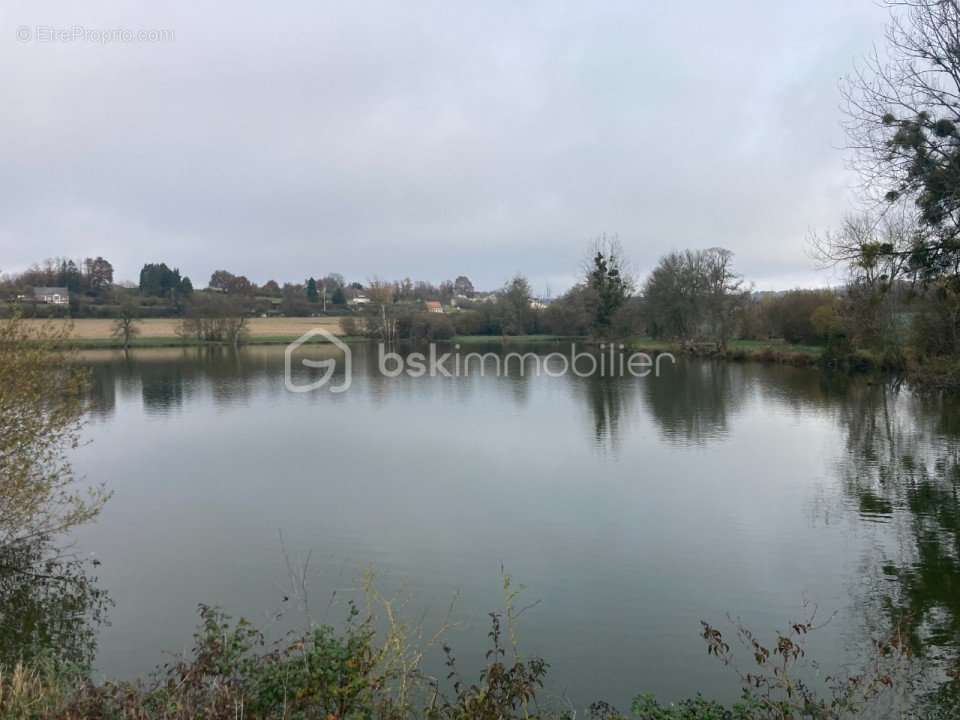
pixel 167 379
pixel 712 473
pixel 50 605
pixel 696 400
pixel 611 402
pixel 902 469
pixel 692 404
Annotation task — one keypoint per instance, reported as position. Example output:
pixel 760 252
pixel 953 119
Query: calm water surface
pixel 629 508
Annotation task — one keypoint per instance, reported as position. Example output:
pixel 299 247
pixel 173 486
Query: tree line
pixel 690 296
pixel 91 276
pixel 162 290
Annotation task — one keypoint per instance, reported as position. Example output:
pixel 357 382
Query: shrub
pixel 936 325
pixel 573 314
pixel 645 707
pixel 431 326
pixel 353 673
pixel 351 326
pixel 476 322
pixel 506 690
pixel 802 316
pixel 215 319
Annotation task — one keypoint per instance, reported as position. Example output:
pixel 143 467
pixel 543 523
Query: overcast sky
pixel 281 140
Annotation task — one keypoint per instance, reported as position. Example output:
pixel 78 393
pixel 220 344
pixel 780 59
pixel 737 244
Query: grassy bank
pixel 165 332
pixel 357 672
pixel 163 342
pixel 88 334
pixel 510 339
pixel 769 351
pixel 154 334
pixel 143 341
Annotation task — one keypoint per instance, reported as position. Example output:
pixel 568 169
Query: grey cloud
pixel 427 139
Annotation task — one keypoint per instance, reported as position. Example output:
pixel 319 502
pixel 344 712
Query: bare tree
pixel 215 318
pixel 877 252
pixel 724 293
pixel 694 293
pixel 382 294
pixel 125 327
pixel 903 124
pixel 874 249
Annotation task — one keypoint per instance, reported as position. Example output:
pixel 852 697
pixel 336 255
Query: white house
pixel 52 295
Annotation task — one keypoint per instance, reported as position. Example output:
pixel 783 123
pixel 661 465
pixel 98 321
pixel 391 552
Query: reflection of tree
pixel 610 400
pixel 365 364
pixel 234 380
pixel 162 388
pixel 165 378
pixel 902 467
pixel 519 366
pixel 692 401
pixel 49 605
pixel 799 388
pixel 101 393
pixel 930 586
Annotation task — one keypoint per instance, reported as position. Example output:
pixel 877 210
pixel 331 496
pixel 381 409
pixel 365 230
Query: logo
pixel 328 365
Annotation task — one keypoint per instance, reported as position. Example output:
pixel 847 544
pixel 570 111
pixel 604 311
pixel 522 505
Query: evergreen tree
pixel 608 278
pixel 158 280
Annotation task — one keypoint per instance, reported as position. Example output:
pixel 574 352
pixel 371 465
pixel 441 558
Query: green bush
pixel 355 674
pixel 646 707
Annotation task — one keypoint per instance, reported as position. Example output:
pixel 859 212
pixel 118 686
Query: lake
pixel 630 508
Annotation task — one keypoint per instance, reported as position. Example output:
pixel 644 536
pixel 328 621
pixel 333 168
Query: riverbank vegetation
pixel 46 597
pixel 373 664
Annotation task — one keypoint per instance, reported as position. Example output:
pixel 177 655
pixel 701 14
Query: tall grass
pixel 360 672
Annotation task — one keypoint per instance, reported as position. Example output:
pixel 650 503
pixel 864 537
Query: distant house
pixel 52 295
pixel 358 299
pixel 433 306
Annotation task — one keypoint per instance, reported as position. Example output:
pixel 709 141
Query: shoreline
pixel 737 350
pixel 143 342
pixel 766 351
pixel 96 334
